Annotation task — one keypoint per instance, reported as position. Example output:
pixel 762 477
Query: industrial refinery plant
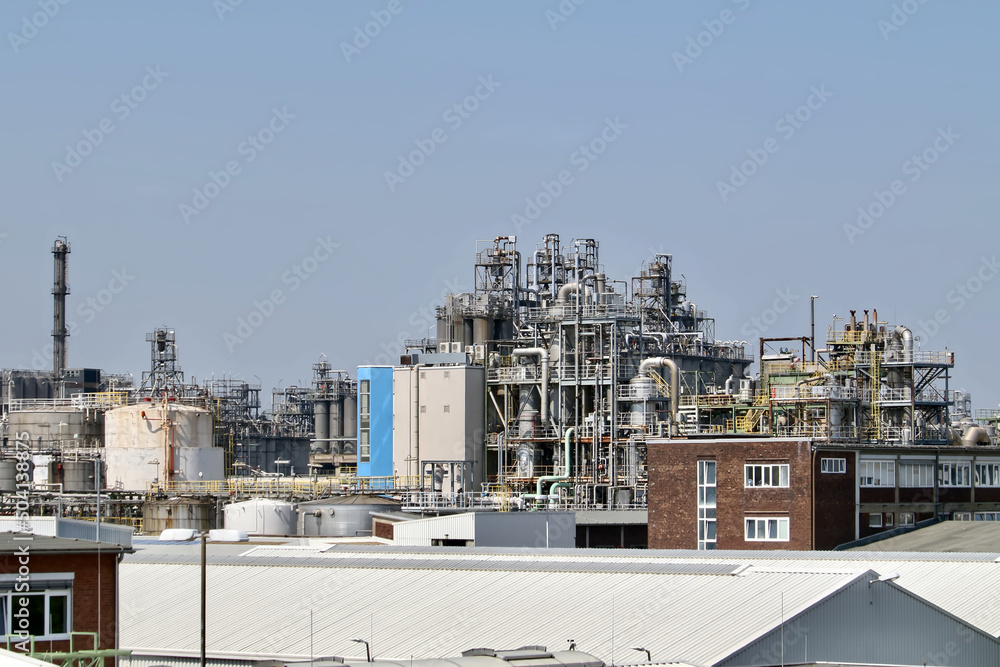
pixel 546 389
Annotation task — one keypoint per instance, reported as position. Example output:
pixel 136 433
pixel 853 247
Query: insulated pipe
pixel 542 354
pixel 569 288
pixel 414 425
pixel 675 383
pixel 906 336
pixel 729 385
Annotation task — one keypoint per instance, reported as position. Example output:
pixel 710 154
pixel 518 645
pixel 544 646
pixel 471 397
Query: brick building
pixel 72 587
pixel 801 493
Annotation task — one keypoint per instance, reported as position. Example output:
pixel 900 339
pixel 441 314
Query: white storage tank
pixel 261 516
pixel 139 440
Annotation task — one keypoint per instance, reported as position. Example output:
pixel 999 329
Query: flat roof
pixel 11 543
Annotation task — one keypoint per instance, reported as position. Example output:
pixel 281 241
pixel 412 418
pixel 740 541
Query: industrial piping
pixel 543 354
pixel 555 478
pixel 648 365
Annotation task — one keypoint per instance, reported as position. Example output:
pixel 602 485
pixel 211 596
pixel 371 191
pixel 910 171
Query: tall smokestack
pixel 59 331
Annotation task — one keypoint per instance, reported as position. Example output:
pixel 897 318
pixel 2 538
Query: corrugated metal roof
pixel 959 583
pixel 946 536
pixel 436 612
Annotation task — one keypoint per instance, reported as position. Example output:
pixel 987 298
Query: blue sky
pixel 695 90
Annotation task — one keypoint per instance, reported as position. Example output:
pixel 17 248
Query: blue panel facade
pixel 375 421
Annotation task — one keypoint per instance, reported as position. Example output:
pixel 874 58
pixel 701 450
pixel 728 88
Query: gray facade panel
pixel 526 529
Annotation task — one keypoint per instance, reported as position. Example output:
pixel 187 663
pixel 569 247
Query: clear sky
pixel 212 153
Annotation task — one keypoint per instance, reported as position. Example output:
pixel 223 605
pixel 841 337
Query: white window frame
pixel 961 516
pixel 986 474
pixel 875 520
pixel 833 465
pixel 777 526
pixel 888 520
pixel 10 604
pixel 875 473
pixel 769 475
pixel 907 519
pixel 707 504
pixel 916 474
pixel 955 474
pixel 364 420
pixel 986 516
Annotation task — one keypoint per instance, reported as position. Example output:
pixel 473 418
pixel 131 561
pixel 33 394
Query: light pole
pixel 156 472
pixel 368 649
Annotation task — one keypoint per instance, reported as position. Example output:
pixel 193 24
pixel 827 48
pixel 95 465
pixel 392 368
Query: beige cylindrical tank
pixel 138 439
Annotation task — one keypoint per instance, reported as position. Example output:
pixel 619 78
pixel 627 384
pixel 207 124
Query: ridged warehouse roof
pixel 445 606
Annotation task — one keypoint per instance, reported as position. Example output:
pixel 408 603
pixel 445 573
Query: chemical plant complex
pixel 551 392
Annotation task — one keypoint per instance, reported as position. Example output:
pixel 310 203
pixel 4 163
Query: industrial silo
pixel 342 516
pixel 168 441
pixel 197 514
pixel 77 475
pixel 261 516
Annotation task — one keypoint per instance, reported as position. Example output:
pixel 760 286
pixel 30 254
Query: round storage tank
pixel 148 425
pixel 261 516
pixel 75 476
pixel 342 516
pixel 8 475
pixel 191 513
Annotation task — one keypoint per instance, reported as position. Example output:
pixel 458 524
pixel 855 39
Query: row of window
pixel 887 519
pixel 921 475
pixel 364 421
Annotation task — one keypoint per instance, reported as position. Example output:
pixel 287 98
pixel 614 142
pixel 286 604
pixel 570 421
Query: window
pixel 916 475
pixel 775 475
pixel 706 505
pixel 766 530
pixel 906 518
pixel 364 421
pixel 955 473
pixel 874 520
pixel 877 473
pixel 988 474
pixel 49 611
pixel 961 516
pixel 888 519
pixel 986 516
pixel 833 465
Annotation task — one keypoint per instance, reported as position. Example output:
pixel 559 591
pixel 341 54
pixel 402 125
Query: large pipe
pixel 906 337
pixel 648 365
pixel 542 354
pixel 570 288
pixel 415 425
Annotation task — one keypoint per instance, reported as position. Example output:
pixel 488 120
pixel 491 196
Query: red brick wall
pixel 834 500
pixel 85 591
pixel 673 492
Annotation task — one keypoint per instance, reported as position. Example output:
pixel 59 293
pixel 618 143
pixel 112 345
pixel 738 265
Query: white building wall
pixel 422 532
